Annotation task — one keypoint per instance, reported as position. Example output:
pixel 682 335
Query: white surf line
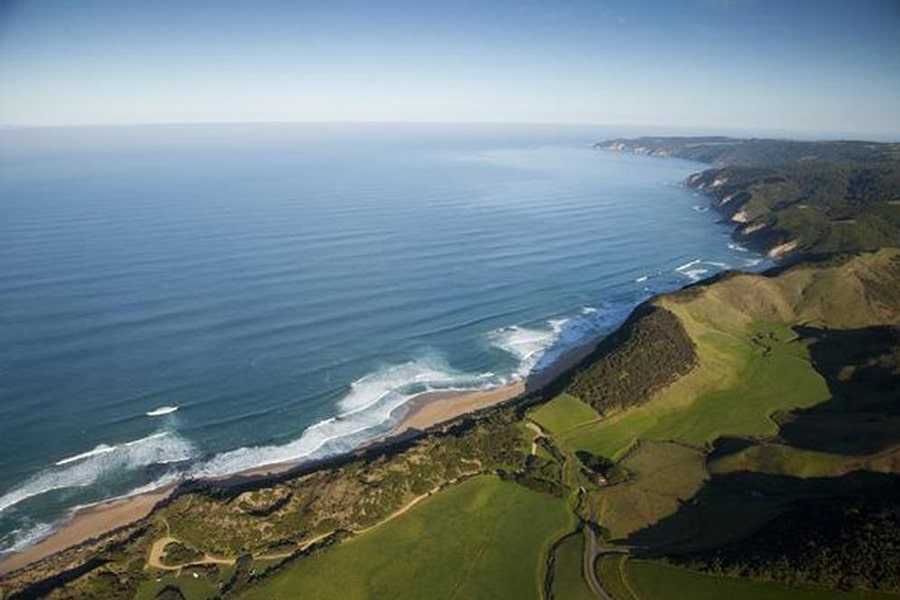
pixel 162 410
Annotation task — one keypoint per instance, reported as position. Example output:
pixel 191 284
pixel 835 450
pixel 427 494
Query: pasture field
pixel 780 459
pixel 664 476
pixel 564 413
pixel 484 538
pixel 568 581
pixel 611 571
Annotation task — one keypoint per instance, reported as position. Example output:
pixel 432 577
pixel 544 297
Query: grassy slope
pixel 568 583
pixel 750 364
pixel 665 475
pixel 779 459
pixel 611 570
pixel 482 539
pixel 656 581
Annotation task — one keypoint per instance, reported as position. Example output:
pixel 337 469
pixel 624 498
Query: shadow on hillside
pixel 731 507
pixel 862 370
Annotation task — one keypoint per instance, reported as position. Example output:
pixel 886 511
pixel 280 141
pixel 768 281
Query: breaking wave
pixel 697 269
pixel 365 411
pixel 83 469
pixel 24 537
pixel 162 410
pixel 527 345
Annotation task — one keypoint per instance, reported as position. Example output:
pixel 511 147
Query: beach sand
pixel 85 524
pixel 421 413
pixel 427 410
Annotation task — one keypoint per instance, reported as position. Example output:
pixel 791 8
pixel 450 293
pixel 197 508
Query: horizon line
pixel 700 130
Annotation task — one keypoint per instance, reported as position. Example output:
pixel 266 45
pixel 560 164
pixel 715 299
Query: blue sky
pixel 818 66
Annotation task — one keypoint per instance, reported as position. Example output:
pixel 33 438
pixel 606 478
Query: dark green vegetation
pixel 746 427
pixel 794 197
pixel 655 581
pixel 813 207
pixel 177 553
pixel 650 351
pixel 860 547
pixel 609 469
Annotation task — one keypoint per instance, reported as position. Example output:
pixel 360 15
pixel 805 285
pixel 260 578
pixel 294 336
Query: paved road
pixel 591 553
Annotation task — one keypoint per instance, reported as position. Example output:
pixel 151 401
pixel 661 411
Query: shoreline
pixel 415 418
pixel 419 414
pixel 85 524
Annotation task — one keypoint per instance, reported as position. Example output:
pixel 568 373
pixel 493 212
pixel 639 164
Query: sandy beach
pixel 427 410
pixel 421 412
pixel 85 524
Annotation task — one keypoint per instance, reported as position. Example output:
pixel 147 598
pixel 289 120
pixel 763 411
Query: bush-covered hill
pixel 835 543
pixel 788 196
pixel 808 207
pixel 647 353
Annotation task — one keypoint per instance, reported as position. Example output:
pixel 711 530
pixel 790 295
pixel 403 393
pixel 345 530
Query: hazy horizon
pixel 825 69
pixel 602 130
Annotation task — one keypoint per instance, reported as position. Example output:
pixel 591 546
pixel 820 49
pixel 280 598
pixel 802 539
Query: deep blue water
pixel 266 279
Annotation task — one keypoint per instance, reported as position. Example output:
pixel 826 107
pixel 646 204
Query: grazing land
pixel 568 580
pixel 484 538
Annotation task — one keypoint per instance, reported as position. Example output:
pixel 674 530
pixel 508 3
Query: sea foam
pixel 365 411
pixel 527 345
pixel 25 537
pixel 83 469
pixel 162 410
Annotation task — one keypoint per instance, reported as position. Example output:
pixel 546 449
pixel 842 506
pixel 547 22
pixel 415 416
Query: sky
pixel 820 66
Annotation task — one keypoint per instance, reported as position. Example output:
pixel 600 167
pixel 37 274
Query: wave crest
pixel 366 410
pixel 83 469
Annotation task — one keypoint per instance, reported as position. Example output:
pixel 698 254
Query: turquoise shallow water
pixel 184 301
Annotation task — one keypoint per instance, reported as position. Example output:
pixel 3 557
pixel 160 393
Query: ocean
pixel 184 301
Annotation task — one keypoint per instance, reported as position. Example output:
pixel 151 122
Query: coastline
pixel 433 408
pixel 85 524
pixel 82 525
pixel 415 418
